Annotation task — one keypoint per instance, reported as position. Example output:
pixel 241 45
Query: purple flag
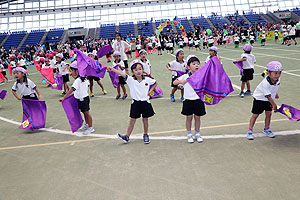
pixel 58 82
pixel 103 51
pixel 3 94
pixel 34 114
pixel 240 66
pixel 157 92
pixel 180 73
pixel 211 82
pixel 292 113
pixel 114 77
pixel 87 66
pixel 70 106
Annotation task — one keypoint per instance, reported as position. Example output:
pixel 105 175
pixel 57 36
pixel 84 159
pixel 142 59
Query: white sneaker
pixel 84 127
pixel 88 131
pixel 190 138
pixel 199 138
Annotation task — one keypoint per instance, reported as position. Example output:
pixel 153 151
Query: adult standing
pixel 292 33
pixel 120 46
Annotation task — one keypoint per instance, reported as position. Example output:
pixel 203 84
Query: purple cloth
pixel 180 73
pixel 70 106
pixel 211 82
pixel 87 66
pixel 58 82
pixel 3 94
pixel 34 114
pixel 157 92
pixel 114 77
pixel 240 66
pixel 292 113
pixel 104 51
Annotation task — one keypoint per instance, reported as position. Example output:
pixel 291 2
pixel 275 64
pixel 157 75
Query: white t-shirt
pixel 120 47
pixel 52 63
pixel 263 36
pixel 189 92
pixel 147 66
pixel 122 65
pixel 251 37
pixel 139 90
pixel 177 66
pixel 61 67
pixel 292 30
pixel 22 89
pixel 138 46
pixel 237 39
pixel 210 41
pixel 265 88
pixel 81 88
pixel 22 62
pixel 249 63
pixel 44 66
pixel 207 59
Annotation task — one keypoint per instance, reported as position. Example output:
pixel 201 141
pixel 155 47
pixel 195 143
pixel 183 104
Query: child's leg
pixel 252 121
pixel 91 86
pixel 197 123
pixel 123 88
pixel 146 125
pixel 188 123
pixel 130 127
pixel 118 89
pixel 243 86
pixel 268 119
pixel 248 85
pixel 182 92
pixel 66 87
pixel 173 90
pixel 88 118
pixel 100 84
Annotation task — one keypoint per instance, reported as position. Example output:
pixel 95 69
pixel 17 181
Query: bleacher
pixel 53 34
pixel 108 31
pixel 237 19
pixel 145 29
pixel 34 37
pixel 296 11
pixel 186 25
pixel 14 39
pixel 255 18
pixel 2 36
pixel 126 28
pixel 218 21
pixel 201 21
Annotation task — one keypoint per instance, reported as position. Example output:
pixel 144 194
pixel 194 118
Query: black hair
pixel 119 34
pixel 81 78
pixel 24 80
pixel 135 65
pixel 248 52
pixel 192 59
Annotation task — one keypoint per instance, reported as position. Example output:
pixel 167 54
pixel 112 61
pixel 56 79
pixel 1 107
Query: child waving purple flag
pixel 211 82
pixel 104 51
pixel 3 94
pixel 58 82
pixel 240 66
pixel 292 113
pixel 114 77
pixel 70 106
pixel 34 114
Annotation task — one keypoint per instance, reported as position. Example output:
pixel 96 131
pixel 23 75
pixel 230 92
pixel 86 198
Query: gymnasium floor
pixel 54 164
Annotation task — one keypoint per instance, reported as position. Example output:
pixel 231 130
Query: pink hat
pixel 53 52
pixel 74 65
pixel 116 53
pixel 177 52
pixel 247 47
pixel 135 62
pixel 19 69
pixel 42 59
pixel 274 66
pixel 36 53
pixel 19 56
pixel 213 48
pixel 47 60
pixel 51 55
pixel 59 55
pixel 142 51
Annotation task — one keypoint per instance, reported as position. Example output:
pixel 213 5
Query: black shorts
pixel 173 79
pixel 197 46
pixel 210 44
pixel 263 40
pixel 24 67
pixel 84 105
pixel 171 48
pixel 150 47
pixel 139 108
pixel 93 78
pixel 32 96
pixel 244 40
pixel 248 75
pixel 122 80
pixel 204 43
pixel 126 63
pixel 167 48
pixel 66 78
pixel 195 107
pixel 276 37
pixel 128 52
pixel 292 37
pixel 159 48
pixel 251 41
pixel 236 42
pixel 261 106
pixel 181 46
pixel 190 45
pixel 3 73
pixel 224 42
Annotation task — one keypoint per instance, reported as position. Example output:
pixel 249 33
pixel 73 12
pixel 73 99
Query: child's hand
pixel 170 69
pixel 274 106
pixel 61 99
pixel 109 69
pixel 19 98
pixel 277 96
pixel 40 97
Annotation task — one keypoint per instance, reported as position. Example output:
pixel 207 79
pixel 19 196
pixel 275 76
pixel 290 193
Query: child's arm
pixel 274 105
pixel 117 71
pixel 120 66
pixel 66 95
pixel 277 96
pixel 241 60
pixel 38 93
pixel 66 67
pixel 153 87
pixel 177 82
pixel 16 95
pixel 168 67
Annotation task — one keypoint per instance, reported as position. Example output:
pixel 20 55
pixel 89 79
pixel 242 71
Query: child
pixel 24 86
pixel 176 65
pixel 158 46
pixel 3 72
pixel 81 86
pixel 248 60
pixel 121 67
pixel 146 63
pixel 138 47
pixel 276 36
pixel 21 62
pixel 12 62
pixel 139 91
pixel 192 105
pixel 236 41
pixel 180 43
pixel 94 78
pixel 211 41
pixel 191 41
pixel 285 38
pixel 263 38
pixel 213 51
pixel 264 95
pixel 64 71
pixel 252 39
pixel 196 43
pixel 244 39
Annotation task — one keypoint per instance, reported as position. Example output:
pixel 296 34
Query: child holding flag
pixel 264 95
pixel 24 86
pixel 213 51
pixel 139 91
pixel 122 82
pixel 64 71
pixel 146 63
pixel 192 107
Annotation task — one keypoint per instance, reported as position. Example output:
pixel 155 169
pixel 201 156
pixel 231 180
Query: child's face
pixel 18 75
pixel 212 53
pixel 274 76
pixel 118 38
pixel 117 58
pixel 180 55
pixel 58 59
pixel 74 73
pixel 143 55
pixel 138 71
pixel 92 56
pixel 194 66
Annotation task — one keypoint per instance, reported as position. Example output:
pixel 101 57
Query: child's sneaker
pixel 146 139
pixel 104 92
pixel 88 131
pixel 84 127
pixel 172 98
pixel 124 96
pixel 118 97
pixel 250 135
pixel 198 138
pixel 248 92
pixel 123 138
pixel 269 133
pixel 242 94
pixel 182 99
pixel 63 93
pixel 190 138
pixel 92 95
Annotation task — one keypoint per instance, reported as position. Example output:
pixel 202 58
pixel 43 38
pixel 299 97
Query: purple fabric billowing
pixel 157 92
pixel 240 66
pixel 211 82
pixel 3 94
pixel 292 113
pixel 180 73
pixel 114 77
pixel 70 106
pixel 104 51
pixel 34 114
pixel 58 82
pixel 87 66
